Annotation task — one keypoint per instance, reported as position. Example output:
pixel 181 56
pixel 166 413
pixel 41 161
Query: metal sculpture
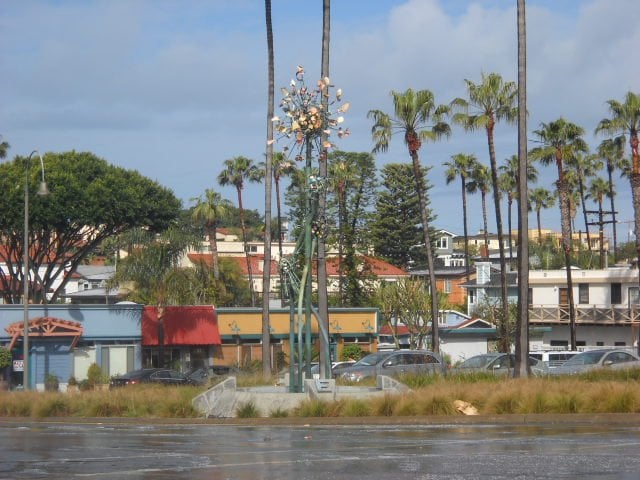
pixel 307 124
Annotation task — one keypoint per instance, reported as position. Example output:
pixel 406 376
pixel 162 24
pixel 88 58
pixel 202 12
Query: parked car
pixel 554 358
pixel 163 376
pixel 393 363
pixel 335 366
pixel 614 359
pixel 498 364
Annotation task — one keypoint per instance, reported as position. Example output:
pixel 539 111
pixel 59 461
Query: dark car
pixel 163 376
pixel 392 364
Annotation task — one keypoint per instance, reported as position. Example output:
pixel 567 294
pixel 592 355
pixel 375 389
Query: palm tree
pixel 562 141
pixel 540 198
pixel 611 151
pixel 462 165
pixel 625 119
pixel 414 111
pixel 508 181
pixel 490 102
pixel 282 167
pixel 323 299
pixel 481 182
pixel 210 210
pixel 522 317
pixel 598 189
pixel 584 167
pixel 266 271
pixel 236 171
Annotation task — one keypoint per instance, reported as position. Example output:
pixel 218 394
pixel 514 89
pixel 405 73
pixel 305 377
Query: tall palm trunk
pixel 213 245
pixel 466 230
pixel 509 220
pixel 566 244
pixel 539 225
pixel 266 271
pixel 323 301
pixel 613 211
pixel 485 223
pixel 522 319
pixel 435 338
pixel 584 210
pixel 504 323
pixel 246 247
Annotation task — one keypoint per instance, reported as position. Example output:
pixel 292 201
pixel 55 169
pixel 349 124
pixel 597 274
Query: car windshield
pixel 585 358
pixel 371 359
pixel 478 361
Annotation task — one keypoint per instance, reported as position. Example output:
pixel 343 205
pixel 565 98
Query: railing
pixel 592 315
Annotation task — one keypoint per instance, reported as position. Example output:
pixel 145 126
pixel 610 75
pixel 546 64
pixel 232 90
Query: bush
pixel 51 382
pixel 5 357
pixel 95 376
pixel 351 352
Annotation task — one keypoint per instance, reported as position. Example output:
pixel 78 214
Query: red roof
pixel 373 265
pixel 183 325
pixel 388 330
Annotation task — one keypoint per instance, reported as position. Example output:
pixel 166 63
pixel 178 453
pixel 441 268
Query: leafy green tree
pixel 489 102
pixel 560 142
pixel 462 166
pixel 394 229
pixel 4 146
pixel 90 201
pixel 418 118
pixel 236 171
pixel 352 182
pixel 209 209
pixel 625 120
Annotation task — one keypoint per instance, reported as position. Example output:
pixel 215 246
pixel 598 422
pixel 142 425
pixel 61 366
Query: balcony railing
pixel 585 315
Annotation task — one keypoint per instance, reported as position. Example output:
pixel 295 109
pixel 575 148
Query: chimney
pixel 483 273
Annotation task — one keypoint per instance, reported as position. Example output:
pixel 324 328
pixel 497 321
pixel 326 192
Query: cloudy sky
pixel 173 88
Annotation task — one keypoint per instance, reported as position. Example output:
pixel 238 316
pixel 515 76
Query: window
pixel 620 344
pixel 634 296
pixel 530 297
pixel 616 293
pixel 472 296
pixel 442 242
pixel 447 286
pixel 583 293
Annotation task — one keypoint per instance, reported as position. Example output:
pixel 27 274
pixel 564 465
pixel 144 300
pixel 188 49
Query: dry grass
pixel 613 392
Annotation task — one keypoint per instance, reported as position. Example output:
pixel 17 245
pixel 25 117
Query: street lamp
pixel 42 191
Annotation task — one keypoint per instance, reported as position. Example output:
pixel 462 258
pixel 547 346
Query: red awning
pixel 183 325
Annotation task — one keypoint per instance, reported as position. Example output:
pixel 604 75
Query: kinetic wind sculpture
pixel 309 120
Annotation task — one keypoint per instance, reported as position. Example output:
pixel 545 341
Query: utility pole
pixel 600 223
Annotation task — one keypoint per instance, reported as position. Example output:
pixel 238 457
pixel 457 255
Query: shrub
pixel 51 382
pixel 247 410
pixel 351 352
pixel 95 375
pixel 5 357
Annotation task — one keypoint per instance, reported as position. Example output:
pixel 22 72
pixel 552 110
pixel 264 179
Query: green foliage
pixel 247 410
pixel 96 376
pixel 278 413
pixel 87 195
pixel 351 352
pixel 395 230
pixel 313 408
pixel 5 357
pixel 51 382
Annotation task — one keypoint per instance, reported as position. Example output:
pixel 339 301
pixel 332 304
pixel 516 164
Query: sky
pixel 173 88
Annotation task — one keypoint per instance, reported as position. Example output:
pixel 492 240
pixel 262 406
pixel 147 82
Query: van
pixel 554 358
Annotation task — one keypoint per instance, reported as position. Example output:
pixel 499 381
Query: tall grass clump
pixel 279 413
pixel 314 408
pixel 53 405
pixel 356 408
pixel 384 406
pixel 247 410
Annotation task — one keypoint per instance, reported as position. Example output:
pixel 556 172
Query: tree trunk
pixel 266 271
pixel 566 245
pixel 613 212
pixel 213 245
pixel 522 319
pixel 466 230
pixel 584 212
pixel 246 247
pixel 483 195
pixel 504 320
pixel 323 301
pixel 435 338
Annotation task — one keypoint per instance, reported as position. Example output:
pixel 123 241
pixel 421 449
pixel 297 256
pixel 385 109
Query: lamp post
pixel 42 191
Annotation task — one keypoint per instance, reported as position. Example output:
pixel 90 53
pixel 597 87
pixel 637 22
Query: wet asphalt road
pixel 131 450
